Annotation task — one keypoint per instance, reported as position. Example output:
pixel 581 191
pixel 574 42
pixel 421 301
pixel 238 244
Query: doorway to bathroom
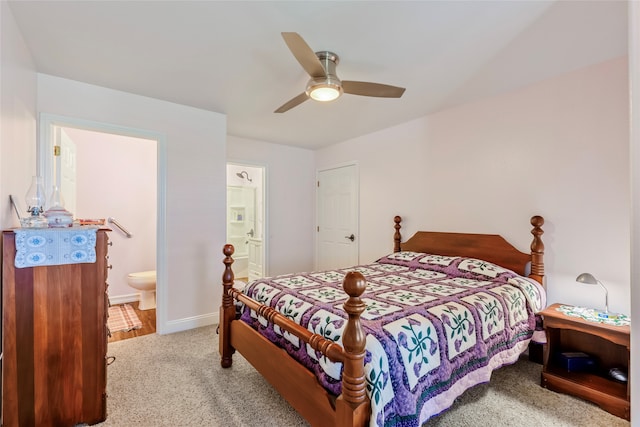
pixel 105 175
pixel 246 219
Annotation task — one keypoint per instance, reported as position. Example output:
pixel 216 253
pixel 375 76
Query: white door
pixel 66 169
pixel 254 237
pixel 337 230
pixel 255 259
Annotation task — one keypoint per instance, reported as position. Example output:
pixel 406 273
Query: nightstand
pixel 607 345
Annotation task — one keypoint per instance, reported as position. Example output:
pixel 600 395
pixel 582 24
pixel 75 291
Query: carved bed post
pixel 537 250
pixel 227 309
pixel 352 406
pixel 397 238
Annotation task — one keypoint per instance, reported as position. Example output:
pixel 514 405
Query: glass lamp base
pixel 59 217
pixel 34 221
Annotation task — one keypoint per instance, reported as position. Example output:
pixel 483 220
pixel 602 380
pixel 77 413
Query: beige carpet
pixel 176 380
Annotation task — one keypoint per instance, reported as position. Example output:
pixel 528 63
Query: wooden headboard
pixel 488 247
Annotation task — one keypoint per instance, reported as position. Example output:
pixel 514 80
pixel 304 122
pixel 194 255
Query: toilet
pixel 145 282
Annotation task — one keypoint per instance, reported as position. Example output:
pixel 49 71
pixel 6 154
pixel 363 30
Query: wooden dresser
pixel 54 341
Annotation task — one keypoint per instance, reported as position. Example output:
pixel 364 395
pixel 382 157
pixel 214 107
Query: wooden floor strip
pixel 148 319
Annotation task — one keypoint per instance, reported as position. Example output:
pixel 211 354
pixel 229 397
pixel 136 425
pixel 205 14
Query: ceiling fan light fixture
pixel 323 90
pixel 324 85
pixel 324 93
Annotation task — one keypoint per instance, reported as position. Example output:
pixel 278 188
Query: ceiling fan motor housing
pixel 329 86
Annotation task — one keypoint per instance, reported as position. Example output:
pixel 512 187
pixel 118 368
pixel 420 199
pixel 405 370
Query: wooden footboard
pixel 283 372
pixel 292 380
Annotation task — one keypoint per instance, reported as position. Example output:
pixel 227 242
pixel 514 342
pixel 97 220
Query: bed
pixel 411 332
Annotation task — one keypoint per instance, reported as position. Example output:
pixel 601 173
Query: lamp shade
pixel 587 278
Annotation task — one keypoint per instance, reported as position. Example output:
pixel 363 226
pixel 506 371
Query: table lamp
pixel 590 280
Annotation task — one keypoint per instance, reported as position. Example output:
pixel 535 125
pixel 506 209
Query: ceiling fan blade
pixel 304 54
pixel 292 103
pixel 372 89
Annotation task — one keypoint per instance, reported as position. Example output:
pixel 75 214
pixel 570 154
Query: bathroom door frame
pixel 45 168
pixel 265 208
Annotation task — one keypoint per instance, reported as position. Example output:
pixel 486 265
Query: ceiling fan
pixel 324 84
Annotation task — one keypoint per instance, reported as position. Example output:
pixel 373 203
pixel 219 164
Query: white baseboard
pixel 121 299
pixel 172 326
pixel 187 323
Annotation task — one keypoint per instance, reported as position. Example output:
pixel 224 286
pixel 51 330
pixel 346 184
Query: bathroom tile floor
pixel 148 318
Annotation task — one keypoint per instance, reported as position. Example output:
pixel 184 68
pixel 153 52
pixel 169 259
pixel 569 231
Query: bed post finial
pixel 537 249
pixel 227 310
pixel 352 407
pixel 397 238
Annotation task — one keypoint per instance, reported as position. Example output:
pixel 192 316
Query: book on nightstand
pixel 576 361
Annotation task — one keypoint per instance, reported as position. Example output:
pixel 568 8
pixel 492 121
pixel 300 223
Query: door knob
pixel 352 237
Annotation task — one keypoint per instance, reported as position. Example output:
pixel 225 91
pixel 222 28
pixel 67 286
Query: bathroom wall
pixel 117 177
pixel 244 197
pixel 255 173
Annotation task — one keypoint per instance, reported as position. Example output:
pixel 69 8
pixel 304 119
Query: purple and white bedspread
pixel 435 326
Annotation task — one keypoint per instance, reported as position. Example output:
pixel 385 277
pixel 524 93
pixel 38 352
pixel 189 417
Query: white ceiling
pixel 229 56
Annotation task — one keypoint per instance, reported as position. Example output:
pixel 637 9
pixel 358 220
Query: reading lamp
pixel 590 280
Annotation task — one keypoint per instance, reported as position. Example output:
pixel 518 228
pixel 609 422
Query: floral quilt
pixel 435 325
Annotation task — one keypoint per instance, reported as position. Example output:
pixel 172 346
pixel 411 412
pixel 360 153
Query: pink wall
pixel 117 177
pixel 558 148
pixel 634 81
pixel 17 117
